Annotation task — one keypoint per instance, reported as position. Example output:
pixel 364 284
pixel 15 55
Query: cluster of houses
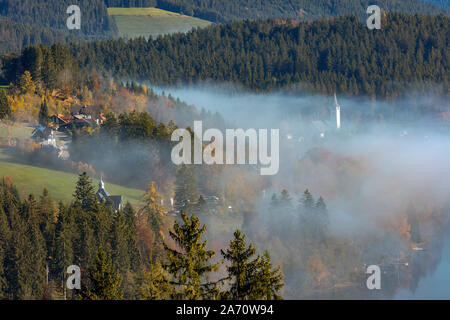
pixel 80 116
pixel 83 118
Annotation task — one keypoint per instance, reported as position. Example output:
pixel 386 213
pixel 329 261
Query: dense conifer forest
pixel 323 56
pixel 159 246
pixel 16 35
pixel 226 11
pixel 52 14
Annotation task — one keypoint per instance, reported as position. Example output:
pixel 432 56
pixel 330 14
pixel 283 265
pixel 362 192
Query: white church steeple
pixel 338 112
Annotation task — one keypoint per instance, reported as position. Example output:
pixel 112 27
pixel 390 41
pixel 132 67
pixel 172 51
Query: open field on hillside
pixel 143 22
pixel 61 185
pixel 20 130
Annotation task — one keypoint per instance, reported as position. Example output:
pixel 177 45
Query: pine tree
pixel 85 192
pixel 268 281
pixel 4 240
pixel 49 76
pixel 119 244
pixel 86 245
pixel 307 201
pixel 155 284
pixel 32 61
pixel 5 108
pixel 17 260
pixel 241 268
pixel 47 220
pixel 65 235
pixel 190 266
pixel 321 219
pixel 44 116
pixel 250 279
pixel 307 216
pixel 36 261
pixel 133 251
pixel 105 281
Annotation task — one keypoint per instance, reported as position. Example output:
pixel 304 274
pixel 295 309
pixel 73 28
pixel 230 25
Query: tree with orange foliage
pixel 153 213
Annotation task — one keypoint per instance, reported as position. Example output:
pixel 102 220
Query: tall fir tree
pixel 132 241
pixel 4 240
pixel 44 116
pixel 85 192
pixel 5 108
pixel 65 235
pixel 155 284
pixel 250 278
pixel 105 281
pixel 119 242
pixel 191 265
pixel 49 74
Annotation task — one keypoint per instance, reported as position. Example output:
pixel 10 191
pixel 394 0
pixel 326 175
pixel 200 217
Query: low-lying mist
pixel 384 176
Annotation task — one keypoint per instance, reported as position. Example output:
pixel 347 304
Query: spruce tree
pixel 44 116
pixel 250 278
pixel 4 240
pixel 119 244
pixel 240 268
pixel 49 75
pixel 105 281
pixel 307 201
pixel 65 235
pixel 17 261
pixel 36 261
pixel 191 265
pixel 321 219
pixel 133 251
pixel 268 280
pixel 155 284
pixel 85 192
pixel 47 220
pixel 5 108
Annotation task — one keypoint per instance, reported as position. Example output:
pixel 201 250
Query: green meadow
pixel 143 22
pixel 61 185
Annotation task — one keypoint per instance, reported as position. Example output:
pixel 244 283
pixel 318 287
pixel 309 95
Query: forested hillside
pixel 441 3
pixel 52 14
pixel 131 3
pixel 224 11
pixel 14 35
pixel 324 56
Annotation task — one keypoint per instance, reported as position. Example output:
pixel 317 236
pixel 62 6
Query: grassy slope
pixel 31 179
pixel 17 131
pixel 135 22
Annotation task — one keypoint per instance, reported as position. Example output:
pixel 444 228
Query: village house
pixel 41 133
pixel 79 117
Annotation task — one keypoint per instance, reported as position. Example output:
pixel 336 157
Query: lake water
pixel 436 284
